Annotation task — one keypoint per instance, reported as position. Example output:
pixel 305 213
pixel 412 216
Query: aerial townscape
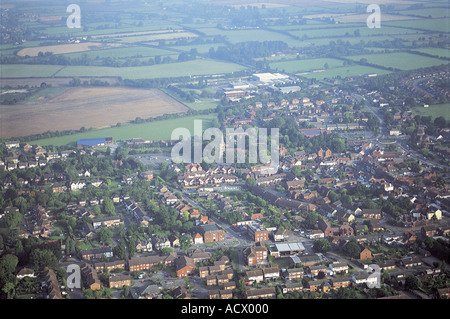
pixel 94 206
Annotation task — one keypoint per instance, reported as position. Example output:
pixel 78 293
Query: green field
pixel 442 53
pixel 400 60
pixel 434 111
pixel 295 66
pixel 346 71
pixel 439 25
pixel 28 70
pixel 176 69
pixel 155 130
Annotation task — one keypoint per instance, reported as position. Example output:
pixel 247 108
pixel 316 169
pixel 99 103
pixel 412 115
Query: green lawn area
pixel 155 130
pixel 28 70
pixel 305 64
pixel 346 71
pixel 202 104
pixel 400 60
pixel 434 111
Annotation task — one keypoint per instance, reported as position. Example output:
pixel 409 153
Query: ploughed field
pixel 95 107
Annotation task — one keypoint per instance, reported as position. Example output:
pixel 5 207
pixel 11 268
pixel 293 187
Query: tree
pixel 41 258
pixel 321 245
pixel 296 170
pixel 104 234
pixel 8 264
pixel 13 219
pixel 352 248
pixel 185 243
pixel 108 207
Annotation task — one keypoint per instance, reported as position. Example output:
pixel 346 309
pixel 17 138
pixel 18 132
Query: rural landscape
pixel 93 204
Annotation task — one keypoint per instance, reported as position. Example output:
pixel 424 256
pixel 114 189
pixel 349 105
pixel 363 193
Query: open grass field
pixel 156 130
pixel 295 66
pixel 434 111
pixel 439 25
pixel 176 69
pixel 345 71
pixel 94 107
pixel 400 60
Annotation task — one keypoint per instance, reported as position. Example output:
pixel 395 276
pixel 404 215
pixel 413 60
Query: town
pixel 357 189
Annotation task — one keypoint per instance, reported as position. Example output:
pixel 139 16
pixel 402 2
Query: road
pixel 400 142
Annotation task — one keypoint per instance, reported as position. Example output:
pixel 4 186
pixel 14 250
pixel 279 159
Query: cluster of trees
pixel 293 139
pixel 245 52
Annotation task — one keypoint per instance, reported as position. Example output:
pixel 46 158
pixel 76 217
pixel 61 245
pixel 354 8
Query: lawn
pixel 155 130
pixel 28 70
pixel 434 111
pixel 294 66
pixel 400 60
pixel 343 72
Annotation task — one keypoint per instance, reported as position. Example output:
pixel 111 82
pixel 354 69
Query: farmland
pixel 174 43
pixel 197 67
pixel 85 107
pixel 399 60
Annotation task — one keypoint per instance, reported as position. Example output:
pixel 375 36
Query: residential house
pixel 257 233
pixel 97 253
pixel 252 276
pixel 211 233
pixel 255 255
pixel 143 263
pixel 90 277
pixel 184 266
pixel 365 254
pixel 119 281
pixel 271 273
pixel 268 292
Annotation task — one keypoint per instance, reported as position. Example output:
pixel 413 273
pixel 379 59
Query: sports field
pixel 156 130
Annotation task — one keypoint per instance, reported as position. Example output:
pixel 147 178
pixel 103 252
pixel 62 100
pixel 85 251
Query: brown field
pixel 59 49
pixel 94 107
